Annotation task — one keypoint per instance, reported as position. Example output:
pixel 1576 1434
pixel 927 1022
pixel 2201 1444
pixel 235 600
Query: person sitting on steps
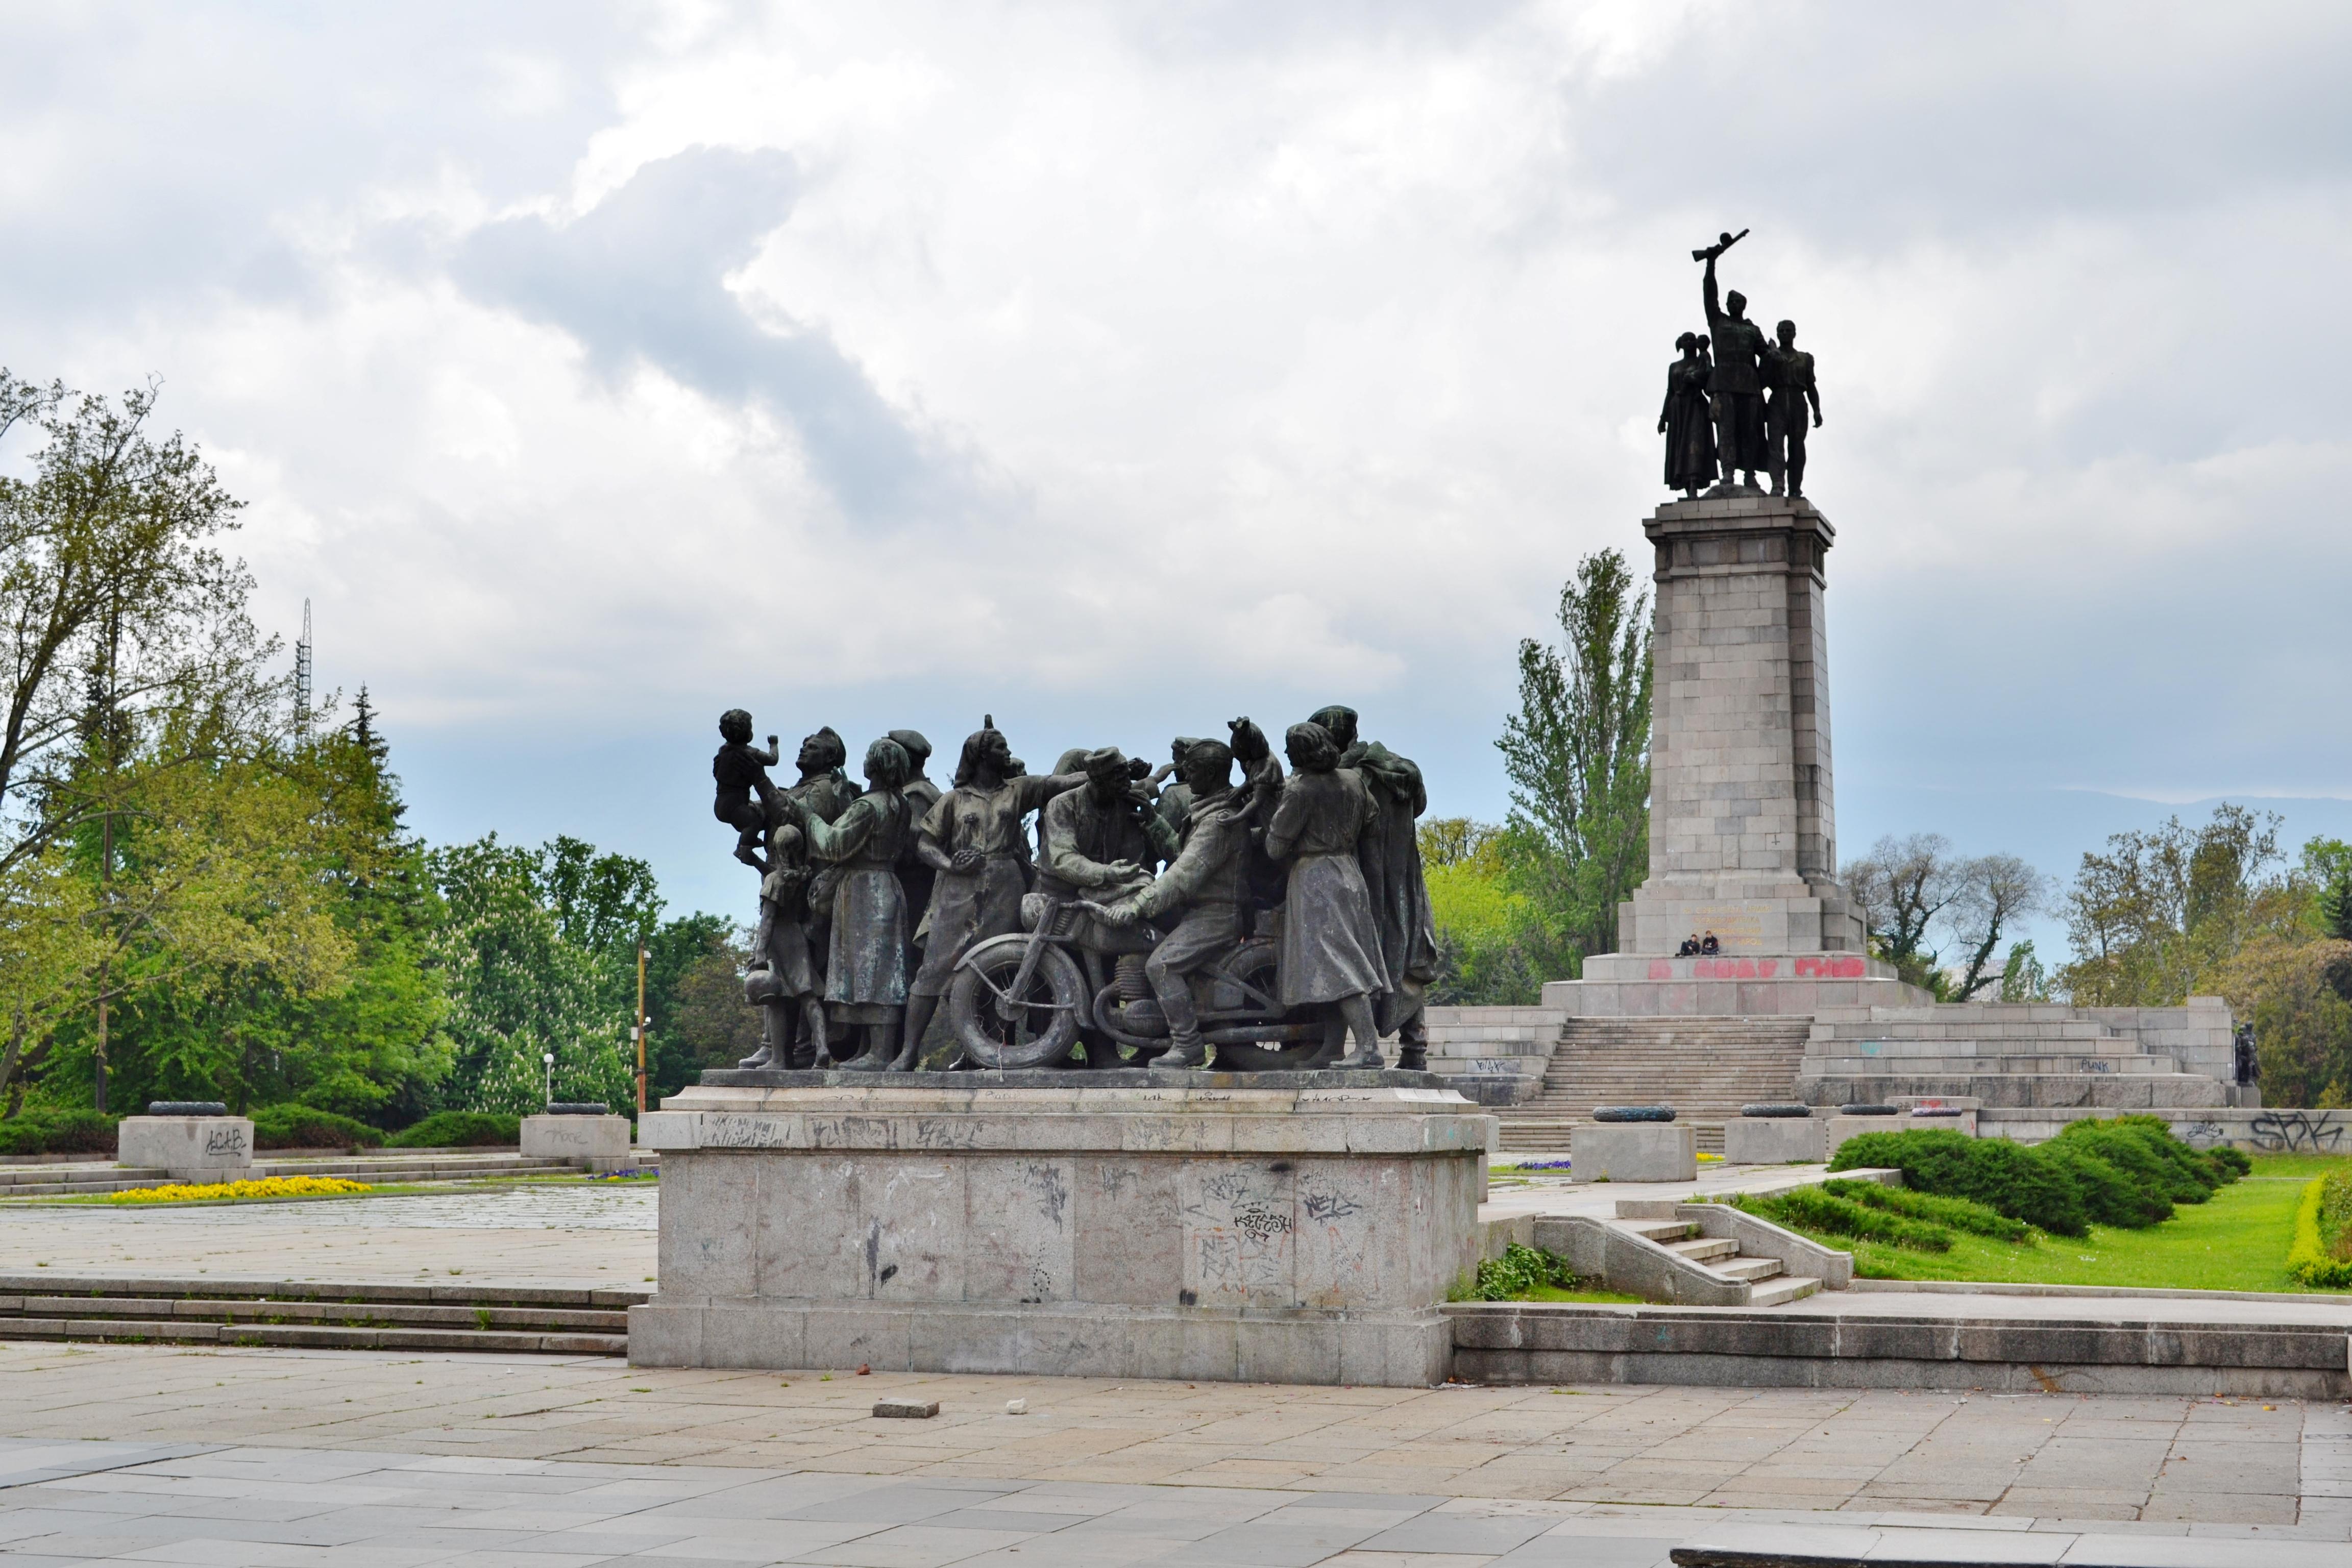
pixel 1709 946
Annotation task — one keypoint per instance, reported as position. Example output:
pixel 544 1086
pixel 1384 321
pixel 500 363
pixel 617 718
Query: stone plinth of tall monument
pixel 1743 821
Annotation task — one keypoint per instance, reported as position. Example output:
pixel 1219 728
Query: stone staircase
pixel 1707 1069
pixel 402 1166
pixel 543 1320
pixel 1493 1056
pixel 2000 1054
pixel 1768 1284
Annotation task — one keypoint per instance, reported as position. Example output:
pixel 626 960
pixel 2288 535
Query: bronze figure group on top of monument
pixel 1719 420
pixel 1265 920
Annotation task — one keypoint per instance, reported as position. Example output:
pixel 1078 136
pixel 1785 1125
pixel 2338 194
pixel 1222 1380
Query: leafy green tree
pixel 1577 841
pixel 2156 914
pixel 518 989
pixel 2327 869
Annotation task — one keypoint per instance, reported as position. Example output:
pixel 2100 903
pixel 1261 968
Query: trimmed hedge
pixel 1960 1214
pixel 302 1127
pixel 2125 1170
pixel 2003 1176
pixel 2308 1258
pixel 1813 1209
pixel 459 1130
pixel 58 1132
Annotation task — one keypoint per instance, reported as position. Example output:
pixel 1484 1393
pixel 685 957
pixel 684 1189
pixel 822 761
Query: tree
pixel 2157 912
pixel 2296 991
pixel 2327 868
pixel 1995 892
pixel 519 989
pixel 111 596
pixel 1578 756
pixel 1905 886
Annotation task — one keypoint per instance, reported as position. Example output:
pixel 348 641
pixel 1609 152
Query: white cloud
pixel 590 368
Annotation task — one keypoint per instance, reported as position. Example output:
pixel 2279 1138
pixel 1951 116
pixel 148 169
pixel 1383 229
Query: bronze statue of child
pixel 746 799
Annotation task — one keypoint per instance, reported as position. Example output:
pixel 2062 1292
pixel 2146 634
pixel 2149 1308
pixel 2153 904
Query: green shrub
pixel 2143 1148
pixel 2227 1164
pixel 58 1132
pixel 301 1127
pixel 2006 1177
pixel 1811 1208
pixel 1520 1270
pixel 459 1130
pixel 1960 1214
pixel 2308 1258
pixel 2109 1197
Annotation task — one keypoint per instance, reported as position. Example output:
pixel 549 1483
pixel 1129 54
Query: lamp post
pixel 549 1058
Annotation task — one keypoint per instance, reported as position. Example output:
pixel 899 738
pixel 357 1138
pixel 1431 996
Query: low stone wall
pixel 1522 1342
pixel 191 1148
pixel 2255 1131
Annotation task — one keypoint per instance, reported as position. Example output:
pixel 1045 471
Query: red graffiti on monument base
pixel 1825 968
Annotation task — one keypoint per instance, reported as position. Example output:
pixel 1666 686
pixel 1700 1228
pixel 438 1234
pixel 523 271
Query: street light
pixel 549 1058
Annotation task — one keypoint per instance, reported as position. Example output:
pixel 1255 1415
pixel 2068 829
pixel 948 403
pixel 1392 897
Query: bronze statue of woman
pixel 1330 939
pixel 972 838
pixel 1683 421
pixel 866 975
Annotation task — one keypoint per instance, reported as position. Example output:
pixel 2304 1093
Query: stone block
pixel 191 1148
pixel 1838 1129
pixel 1772 1139
pixel 1110 1230
pixel 1633 1151
pixel 599 1142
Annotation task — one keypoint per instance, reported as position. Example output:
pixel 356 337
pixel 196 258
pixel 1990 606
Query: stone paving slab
pixel 270 1506
pixel 1202 1454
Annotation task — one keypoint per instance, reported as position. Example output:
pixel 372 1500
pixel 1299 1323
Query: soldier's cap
pixel 1108 762
pixel 911 741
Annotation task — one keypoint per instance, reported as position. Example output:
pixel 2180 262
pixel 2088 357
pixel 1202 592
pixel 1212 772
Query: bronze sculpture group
pixel 1719 420
pixel 1268 920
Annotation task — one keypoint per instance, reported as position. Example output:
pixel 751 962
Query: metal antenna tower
pixel 302 674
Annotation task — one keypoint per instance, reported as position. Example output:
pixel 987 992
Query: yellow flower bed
pixel 268 1187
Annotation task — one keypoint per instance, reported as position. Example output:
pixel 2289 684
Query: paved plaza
pixel 358 1458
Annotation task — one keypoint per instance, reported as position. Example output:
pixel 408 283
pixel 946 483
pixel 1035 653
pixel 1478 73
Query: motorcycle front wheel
pixel 1000 1029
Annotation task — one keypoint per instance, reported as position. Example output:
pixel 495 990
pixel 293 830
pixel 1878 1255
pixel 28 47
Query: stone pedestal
pixel 600 1142
pixel 1772 1139
pixel 1157 1229
pixel 191 1148
pixel 1632 1152
pixel 1743 838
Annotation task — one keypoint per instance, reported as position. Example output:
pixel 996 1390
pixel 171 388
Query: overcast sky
pixel 1119 368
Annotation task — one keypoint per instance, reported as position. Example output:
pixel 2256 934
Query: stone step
pixel 510 1319
pixel 2008 1066
pixel 1752 1269
pixel 1704 1249
pixel 1788 1287
pixel 1662 1231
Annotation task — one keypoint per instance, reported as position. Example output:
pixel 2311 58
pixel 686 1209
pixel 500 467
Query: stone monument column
pixel 1743 821
pixel 1743 815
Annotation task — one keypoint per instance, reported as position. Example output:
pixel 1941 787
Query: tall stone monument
pixel 1743 819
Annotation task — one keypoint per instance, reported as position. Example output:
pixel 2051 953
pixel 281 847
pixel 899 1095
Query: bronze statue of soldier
pixel 1099 844
pixel 1789 372
pixel 1207 886
pixel 1735 391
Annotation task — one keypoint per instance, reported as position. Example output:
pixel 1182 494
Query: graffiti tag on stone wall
pixel 2297 1131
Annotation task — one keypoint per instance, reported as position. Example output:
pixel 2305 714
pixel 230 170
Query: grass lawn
pixel 1553 1293
pixel 2237 1241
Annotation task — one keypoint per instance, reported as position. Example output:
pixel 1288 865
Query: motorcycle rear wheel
pixel 1034 1029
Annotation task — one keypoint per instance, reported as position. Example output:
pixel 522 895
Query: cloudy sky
pixel 1119 368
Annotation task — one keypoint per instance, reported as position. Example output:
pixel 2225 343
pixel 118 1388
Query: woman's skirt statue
pixel 1686 422
pixel 1330 940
